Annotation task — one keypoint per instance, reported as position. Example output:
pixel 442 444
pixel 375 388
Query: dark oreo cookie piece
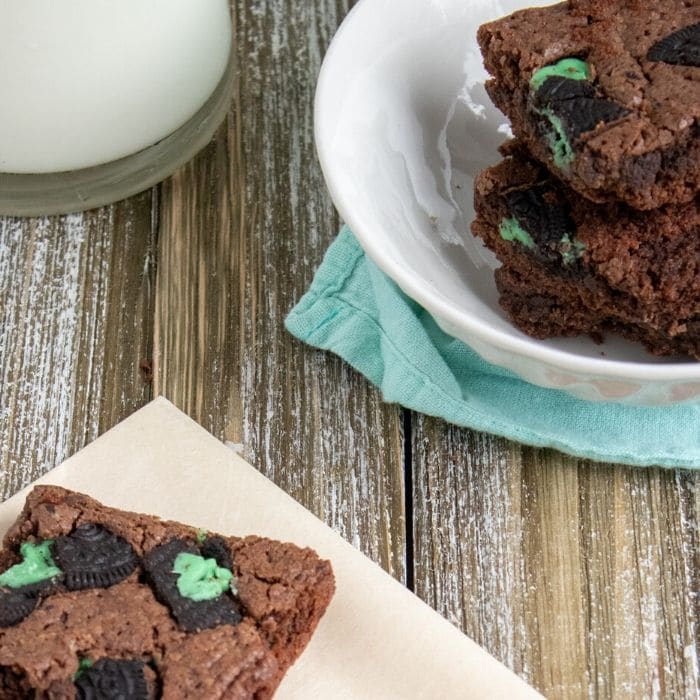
pixel 558 89
pixel 216 548
pixel 682 48
pixel 544 221
pixel 15 605
pixel 112 679
pixel 549 223
pixel 191 616
pixel 18 603
pixel 583 114
pixel 576 104
pixel 93 557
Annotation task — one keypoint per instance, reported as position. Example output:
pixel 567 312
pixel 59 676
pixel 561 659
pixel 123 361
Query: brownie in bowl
pixel 605 93
pixel 572 267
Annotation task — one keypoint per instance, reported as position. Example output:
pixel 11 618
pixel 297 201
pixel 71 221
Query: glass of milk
pixel 101 99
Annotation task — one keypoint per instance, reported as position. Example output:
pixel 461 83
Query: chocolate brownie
pixel 100 603
pixel 606 93
pixel 572 267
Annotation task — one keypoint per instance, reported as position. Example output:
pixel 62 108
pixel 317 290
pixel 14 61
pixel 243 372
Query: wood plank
pixel 655 634
pixel 551 587
pixel 243 228
pixel 74 327
pixel 581 577
pixel 468 533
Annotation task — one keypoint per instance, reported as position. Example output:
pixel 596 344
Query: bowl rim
pixel 362 227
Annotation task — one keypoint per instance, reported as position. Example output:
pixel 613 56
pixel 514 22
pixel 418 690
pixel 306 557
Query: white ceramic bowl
pixel 403 126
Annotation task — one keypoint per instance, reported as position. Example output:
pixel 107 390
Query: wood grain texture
pixel 74 309
pixel 468 533
pixel 242 230
pixel 581 577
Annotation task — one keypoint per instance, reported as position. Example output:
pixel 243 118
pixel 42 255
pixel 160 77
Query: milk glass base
pixel 78 190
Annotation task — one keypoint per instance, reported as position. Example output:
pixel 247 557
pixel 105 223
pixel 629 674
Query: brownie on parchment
pixel 572 267
pixel 606 93
pixel 100 603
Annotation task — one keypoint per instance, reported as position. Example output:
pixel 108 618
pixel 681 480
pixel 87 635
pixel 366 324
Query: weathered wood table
pixel 583 578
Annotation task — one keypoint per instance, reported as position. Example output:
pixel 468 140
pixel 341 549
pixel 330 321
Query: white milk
pixel 84 82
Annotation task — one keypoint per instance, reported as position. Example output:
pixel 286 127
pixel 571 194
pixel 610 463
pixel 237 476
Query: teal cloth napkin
pixel 354 310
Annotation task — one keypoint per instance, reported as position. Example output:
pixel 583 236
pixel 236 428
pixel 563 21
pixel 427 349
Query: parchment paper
pixel 377 640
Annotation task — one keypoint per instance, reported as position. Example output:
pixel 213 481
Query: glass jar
pixel 105 98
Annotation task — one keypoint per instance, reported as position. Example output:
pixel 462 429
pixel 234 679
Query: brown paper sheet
pixel 377 640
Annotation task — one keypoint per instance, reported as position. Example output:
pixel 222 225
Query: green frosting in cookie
pixel 562 151
pixel 199 578
pixel 511 230
pixel 83 665
pixel 37 565
pixel 571 68
pixel 570 249
pixel 202 535
pixel 559 144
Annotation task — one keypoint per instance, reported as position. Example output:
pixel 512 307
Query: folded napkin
pixel 354 310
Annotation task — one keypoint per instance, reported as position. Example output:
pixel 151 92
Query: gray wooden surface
pixel 583 578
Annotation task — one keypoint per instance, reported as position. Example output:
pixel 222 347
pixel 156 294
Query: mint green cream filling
pixel 511 230
pixel 83 665
pixel 37 565
pixel 562 151
pixel 570 249
pixel 571 68
pixel 199 578
pixel 559 144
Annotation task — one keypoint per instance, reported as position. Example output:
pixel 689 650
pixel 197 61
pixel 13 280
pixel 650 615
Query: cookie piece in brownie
pixel 606 93
pixel 571 267
pixel 93 597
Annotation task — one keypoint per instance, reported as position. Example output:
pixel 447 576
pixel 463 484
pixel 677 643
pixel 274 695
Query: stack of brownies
pixel 594 212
